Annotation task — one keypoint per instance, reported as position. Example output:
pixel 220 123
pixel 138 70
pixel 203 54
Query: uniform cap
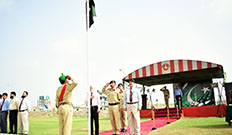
pixel 120 84
pixel 62 78
pixel 113 81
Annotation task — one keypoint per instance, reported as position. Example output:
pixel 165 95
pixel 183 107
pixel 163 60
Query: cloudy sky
pixel 41 39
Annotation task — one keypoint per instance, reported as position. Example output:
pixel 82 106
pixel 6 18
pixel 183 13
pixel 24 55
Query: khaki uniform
pixel 113 100
pixel 123 114
pixel 65 109
pixel 166 96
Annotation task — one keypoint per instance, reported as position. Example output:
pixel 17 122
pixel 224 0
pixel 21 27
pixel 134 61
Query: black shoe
pixel 10 133
pixel 123 130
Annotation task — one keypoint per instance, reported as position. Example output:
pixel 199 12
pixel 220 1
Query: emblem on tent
pixel 165 67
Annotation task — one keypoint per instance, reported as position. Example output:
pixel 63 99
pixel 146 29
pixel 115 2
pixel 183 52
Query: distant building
pixel 44 101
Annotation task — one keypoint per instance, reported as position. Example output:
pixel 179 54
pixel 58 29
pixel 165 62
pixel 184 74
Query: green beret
pixel 62 77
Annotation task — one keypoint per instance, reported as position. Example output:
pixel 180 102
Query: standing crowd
pixel 17 110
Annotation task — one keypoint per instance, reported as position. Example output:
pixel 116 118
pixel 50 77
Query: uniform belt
pixel 66 103
pixel 14 110
pixel 22 110
pixel 132 102
pixel 111 104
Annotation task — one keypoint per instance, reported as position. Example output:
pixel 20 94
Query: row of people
pixel 15 109
pixel 123 105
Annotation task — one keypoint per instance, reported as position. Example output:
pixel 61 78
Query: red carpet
pixel 146 126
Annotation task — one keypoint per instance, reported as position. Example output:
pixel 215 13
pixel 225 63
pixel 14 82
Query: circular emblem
pixel 165 67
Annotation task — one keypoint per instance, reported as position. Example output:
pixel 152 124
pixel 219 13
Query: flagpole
pixel 87 64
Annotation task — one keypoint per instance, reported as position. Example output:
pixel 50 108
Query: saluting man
pixel 166 95
pixel 133 104
pixel 64 104
pixel 113 100
pixel 24 109
pixel 123 114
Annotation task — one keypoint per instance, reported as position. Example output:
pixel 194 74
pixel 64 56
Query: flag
pixel 92 12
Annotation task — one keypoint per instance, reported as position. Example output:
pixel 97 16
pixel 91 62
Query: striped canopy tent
pixel 175 71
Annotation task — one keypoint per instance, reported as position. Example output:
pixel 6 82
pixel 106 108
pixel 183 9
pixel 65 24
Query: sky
pixel 41 39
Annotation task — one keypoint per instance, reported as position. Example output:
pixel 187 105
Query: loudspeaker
pixel 228 88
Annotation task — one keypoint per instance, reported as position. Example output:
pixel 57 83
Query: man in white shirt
pixel 152 98
pixel 13 116
pixel 24 108
pixel 132 104
pixel 95 105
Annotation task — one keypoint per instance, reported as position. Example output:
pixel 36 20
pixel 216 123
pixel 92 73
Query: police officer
pixel 113 100
pixel 123 114
pixel 166 95
pixel 64 104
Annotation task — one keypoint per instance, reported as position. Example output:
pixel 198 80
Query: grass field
pixel 185 126
pixel 196 126
pixel 50 126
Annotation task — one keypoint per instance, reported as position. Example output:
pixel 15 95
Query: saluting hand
pixel 107 84
pixel 68 77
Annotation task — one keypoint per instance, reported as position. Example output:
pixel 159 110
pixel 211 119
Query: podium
pixel 144 102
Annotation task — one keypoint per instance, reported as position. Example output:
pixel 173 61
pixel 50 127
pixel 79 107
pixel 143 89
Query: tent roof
pixel 175 71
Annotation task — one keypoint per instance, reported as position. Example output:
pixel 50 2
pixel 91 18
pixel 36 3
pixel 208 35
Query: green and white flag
pixel 92 12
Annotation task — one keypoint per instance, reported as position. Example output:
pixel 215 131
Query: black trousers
pixel 177 100
pixel 95 117
pixel 3 121
pixel 13 121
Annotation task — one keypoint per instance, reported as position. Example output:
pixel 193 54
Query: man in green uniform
pixel 113 100
pixel 64 104
pixel 166 95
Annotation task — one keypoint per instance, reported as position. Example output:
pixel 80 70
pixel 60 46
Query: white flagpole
pixel 87 64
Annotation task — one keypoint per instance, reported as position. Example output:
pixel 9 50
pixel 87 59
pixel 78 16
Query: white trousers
pixel 133 118
pixel 23 122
